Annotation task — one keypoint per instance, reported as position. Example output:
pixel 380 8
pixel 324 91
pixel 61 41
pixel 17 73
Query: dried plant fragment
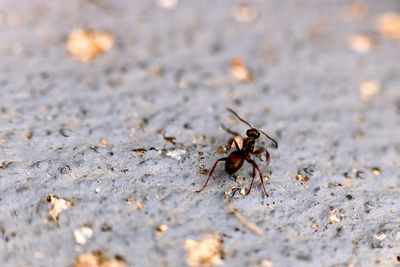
pixel 360 43
pixel 4 165
pixel 251 226
pixel 170 139
pixel 161 229
pixel 244 13
pixel 335 216
pixel 302 178
pixel 139 125
pixel 140 151
pixel 355 10
pixel 240 71
pixel 57 206
pixel 369 89
pixel 389 25
pixel 305 172
pixel 83 234
pixel 98 259
pixel 205 252
pixel 29 135
pixel 64 132
pixel 87 45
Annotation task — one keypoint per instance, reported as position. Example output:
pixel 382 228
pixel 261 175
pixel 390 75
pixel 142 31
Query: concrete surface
pixel 73 130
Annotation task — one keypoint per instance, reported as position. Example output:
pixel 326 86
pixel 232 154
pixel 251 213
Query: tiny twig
pixel 251 226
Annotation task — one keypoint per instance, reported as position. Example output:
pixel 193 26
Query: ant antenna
pixel 239 117
pixel 270 138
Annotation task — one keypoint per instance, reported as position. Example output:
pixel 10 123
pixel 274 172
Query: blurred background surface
pixel 110 119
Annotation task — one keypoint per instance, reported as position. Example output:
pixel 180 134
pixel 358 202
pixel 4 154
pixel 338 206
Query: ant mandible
pixel 235 159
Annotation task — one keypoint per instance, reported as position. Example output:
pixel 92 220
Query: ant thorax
pixel 248 144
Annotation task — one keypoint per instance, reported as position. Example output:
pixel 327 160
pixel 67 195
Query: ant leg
pixel 211 172
pixel 266 157
pixel 252 180
pixel 258 152
pixel 261 150
pixel 261 177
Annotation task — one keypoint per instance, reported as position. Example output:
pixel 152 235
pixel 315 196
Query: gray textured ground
pixel 309 83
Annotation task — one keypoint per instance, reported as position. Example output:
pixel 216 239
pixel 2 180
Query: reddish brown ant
pixel 236 158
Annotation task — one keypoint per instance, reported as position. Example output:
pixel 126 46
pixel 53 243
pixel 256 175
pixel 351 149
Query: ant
pixel 235 159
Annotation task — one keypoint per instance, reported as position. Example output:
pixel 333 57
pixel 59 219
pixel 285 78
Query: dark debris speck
pixel 349 197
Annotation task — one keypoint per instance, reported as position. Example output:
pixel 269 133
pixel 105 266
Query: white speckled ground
pixel 304 74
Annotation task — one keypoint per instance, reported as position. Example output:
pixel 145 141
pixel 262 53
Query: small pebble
pixel 161 229
pixel 389 25
pixel 376 170
pixel 244 13
pixel 360 43
pixel 380 236
pixel 240 71
pixel 176 154
pixel 267 263
pixel 243 191
pixel 168 4
pixel 87 45
pixel 302 178
pixel 356 10
pixel 314 226
pixel 335 216
pixel 369 89
pixel 205 252
pixel 83 234
pixel 103 142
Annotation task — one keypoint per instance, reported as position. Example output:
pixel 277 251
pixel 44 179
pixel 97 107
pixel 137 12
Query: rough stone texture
pixel 308 80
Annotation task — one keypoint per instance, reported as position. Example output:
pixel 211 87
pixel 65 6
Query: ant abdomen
pixel 234 162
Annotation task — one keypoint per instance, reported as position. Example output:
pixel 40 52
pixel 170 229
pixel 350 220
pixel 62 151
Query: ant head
pixel 253 133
